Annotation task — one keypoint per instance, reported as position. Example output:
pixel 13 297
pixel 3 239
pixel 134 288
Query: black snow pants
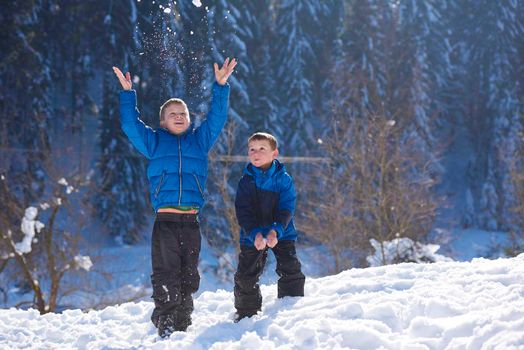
pixel 251 262
pixel 175 249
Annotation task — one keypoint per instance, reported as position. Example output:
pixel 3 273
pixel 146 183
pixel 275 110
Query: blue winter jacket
pixel 177 170
pixel 265 200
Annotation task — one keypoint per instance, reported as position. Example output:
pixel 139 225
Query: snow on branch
pixel 68 187
pixel 83 262
pixel 30 226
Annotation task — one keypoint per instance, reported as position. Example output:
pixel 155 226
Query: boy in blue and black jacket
pixel 265 205
pixel 177 173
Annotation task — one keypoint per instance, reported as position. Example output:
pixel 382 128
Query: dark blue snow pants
pixel 251 262
pixel 175 249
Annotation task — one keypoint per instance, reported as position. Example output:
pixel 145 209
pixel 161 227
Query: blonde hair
pixel 261 136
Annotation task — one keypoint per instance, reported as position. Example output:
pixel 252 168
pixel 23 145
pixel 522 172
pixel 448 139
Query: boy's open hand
pixel 223 73
pixel 124 81
pixel 272 239
pixel 260 242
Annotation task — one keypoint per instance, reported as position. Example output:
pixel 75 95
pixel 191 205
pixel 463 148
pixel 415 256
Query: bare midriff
pixel 177 211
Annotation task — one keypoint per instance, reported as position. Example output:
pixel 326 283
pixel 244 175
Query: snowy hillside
pixel 448 305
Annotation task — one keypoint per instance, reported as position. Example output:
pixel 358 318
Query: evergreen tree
pixel 296 56
pixel 225 40
pixel 359 71
pixel 420 72
pixel 257 32
pixel 24 100
pixel 71 53
pixel 422 67
pixel 120 200
pixel 488 59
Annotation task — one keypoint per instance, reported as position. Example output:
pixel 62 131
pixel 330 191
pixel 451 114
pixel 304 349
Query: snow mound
pixel 445 305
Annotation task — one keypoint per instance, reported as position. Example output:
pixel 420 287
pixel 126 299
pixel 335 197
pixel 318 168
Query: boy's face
pixel 176 118
pixel 260 153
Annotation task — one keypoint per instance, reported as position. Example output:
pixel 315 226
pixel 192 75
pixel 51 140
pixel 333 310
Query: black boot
pixel 241 314
pixel 183 312
pixel 182 320
pixel 165 325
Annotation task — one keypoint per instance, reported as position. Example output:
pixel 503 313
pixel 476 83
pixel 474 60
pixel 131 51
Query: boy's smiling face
pixel 260 153
pixel 176 118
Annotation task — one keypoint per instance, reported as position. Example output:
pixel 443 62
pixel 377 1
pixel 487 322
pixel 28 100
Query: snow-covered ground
pixel 446 305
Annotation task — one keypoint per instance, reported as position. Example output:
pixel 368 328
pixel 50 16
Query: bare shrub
pixel 37 252
pixel 377 184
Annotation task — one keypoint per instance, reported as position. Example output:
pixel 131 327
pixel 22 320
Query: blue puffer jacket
pixel 265 200
pixel 177 169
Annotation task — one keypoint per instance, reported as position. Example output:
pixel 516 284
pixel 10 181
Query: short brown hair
pixel 260 136
pixel 168 103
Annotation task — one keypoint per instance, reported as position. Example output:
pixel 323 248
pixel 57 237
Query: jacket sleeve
pixel 245 209
pixel 286 205
pixel 208 132
pixel 141 136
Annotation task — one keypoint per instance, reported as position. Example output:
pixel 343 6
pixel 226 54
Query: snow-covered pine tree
pixel 332 55
pixel 25 77
pixel 226 29
pixel 257 34
pixel 421 69
pixel 488 58
pixel 359 71
pixel 120 201
pixel 296 60
pixel 73 58
pixel 520 53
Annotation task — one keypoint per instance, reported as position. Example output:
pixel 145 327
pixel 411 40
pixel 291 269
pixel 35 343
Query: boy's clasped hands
pixel 261 242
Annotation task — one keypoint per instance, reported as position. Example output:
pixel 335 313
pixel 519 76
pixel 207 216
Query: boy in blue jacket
pixel 265 205
pixel 177 174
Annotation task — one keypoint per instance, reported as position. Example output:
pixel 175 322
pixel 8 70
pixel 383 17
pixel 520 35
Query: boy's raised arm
pixel 210 128
pixel 141 136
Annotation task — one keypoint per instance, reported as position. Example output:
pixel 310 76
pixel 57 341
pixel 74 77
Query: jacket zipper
pixel 179 172
pixel 199 187
pixel 160 183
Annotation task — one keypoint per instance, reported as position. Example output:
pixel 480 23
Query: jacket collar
pixel 276 166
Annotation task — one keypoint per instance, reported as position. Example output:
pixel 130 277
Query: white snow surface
pixel 403 248
pixel 446 305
